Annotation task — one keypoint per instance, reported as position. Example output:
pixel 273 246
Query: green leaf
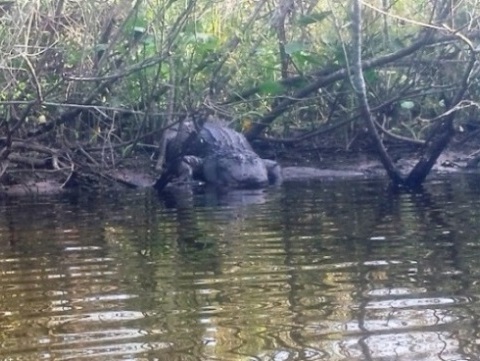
pixel 407 104
pixel 201 38
pixel 397 44
pixel 149 40
pixel 370 75
pixel 127 150
pixel 312 18
pixel 138 24
pixel 295 47
pixel 139 29
pixel 271 87
pixel 305 58
pixel 100 47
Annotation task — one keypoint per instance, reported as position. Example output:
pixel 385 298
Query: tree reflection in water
pixel 321 271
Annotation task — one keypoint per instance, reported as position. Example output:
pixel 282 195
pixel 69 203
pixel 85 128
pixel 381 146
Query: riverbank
pixel 138 172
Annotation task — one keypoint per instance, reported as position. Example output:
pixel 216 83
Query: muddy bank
pixel 139 173
pixel 131 178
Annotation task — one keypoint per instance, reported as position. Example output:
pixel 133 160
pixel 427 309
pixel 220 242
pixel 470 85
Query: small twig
pixel 70 177
pixel 401 18
pixel 88 156
pixel 399 137
pixel 86 107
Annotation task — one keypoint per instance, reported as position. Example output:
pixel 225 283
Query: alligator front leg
pixel 180 171
pixel 190 167
pixel 274 171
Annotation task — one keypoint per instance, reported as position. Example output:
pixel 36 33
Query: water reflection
pixel 321 271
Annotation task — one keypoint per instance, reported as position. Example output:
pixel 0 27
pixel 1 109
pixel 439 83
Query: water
pixel 310 271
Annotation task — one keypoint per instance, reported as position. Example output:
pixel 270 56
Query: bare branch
pixel 359 86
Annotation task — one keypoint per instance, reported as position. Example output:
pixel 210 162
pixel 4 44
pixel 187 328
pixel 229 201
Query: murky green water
pixel 309 271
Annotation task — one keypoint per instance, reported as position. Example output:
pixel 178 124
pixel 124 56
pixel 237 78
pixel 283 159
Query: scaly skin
pixel 223 157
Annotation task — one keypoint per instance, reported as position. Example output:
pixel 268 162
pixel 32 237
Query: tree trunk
pixel 358 83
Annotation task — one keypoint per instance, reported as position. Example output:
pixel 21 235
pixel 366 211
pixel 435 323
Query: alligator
pixel 221 156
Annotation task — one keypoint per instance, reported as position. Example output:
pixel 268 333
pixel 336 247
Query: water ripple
pixel 325 271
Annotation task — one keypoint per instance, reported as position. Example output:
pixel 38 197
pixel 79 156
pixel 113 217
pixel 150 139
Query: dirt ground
pixel 138 170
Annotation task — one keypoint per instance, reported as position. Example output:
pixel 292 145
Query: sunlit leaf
pixel 305 58
pixel 407 104
pixel 139 29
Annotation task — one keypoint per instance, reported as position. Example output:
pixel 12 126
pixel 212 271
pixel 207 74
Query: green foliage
pixel 271 88
pixel 312 18
pixel 176 55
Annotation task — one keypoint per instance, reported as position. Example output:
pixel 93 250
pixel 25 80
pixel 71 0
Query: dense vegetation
pixel 88 83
